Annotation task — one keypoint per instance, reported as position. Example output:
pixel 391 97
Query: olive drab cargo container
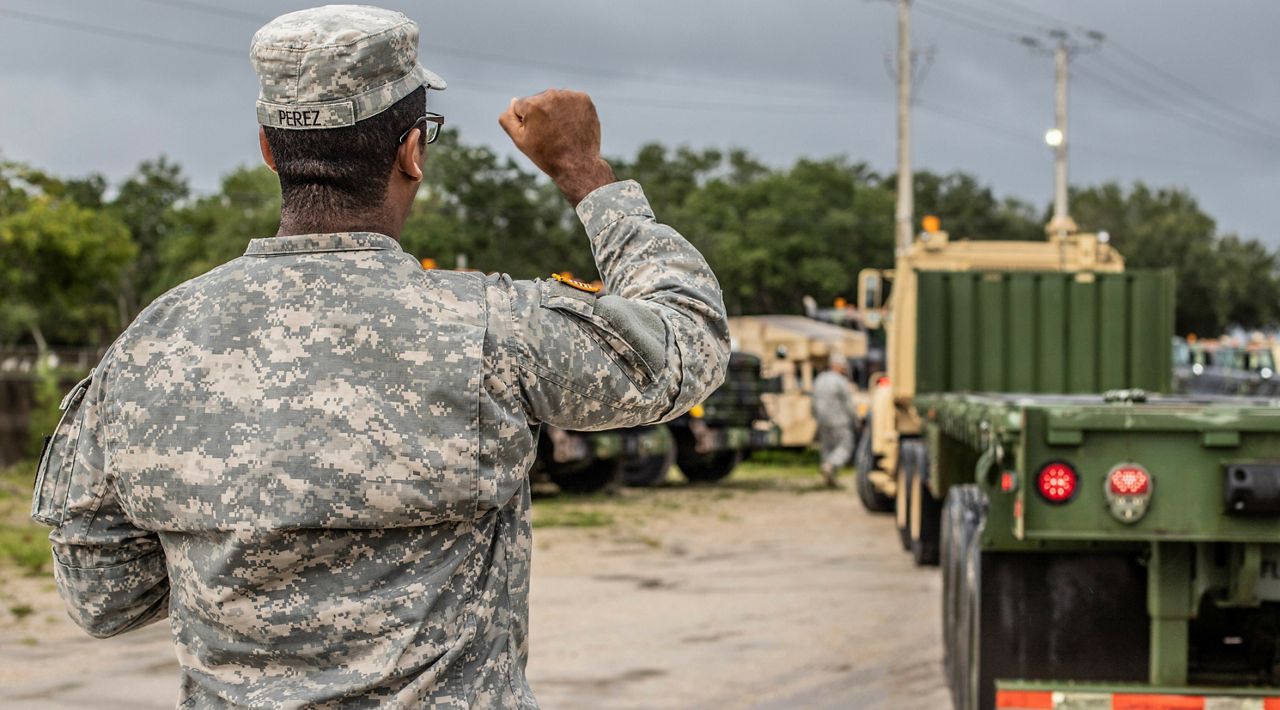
pixel 1043 332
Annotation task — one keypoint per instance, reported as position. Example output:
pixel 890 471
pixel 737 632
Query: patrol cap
pixel 332 66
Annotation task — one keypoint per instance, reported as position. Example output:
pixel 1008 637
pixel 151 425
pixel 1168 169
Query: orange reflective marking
pixel 1156 702
pixel 1024 700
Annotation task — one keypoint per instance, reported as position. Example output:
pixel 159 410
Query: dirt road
pixel 763 592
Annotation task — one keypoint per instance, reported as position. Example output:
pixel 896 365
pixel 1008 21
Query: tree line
pixel 79 260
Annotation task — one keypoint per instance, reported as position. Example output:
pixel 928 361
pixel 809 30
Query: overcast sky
pixel 1181 93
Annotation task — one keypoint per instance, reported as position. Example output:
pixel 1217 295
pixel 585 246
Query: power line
pixel 1028 12
pixel 1214 104
pixel 210 10
pixel 832 102
pixel 1129 92
pixel 1223 121
pixel 962 19
pixel 994 19
pixel 1192 88
pixel 838 104
pixel 481 56
pixel 121 34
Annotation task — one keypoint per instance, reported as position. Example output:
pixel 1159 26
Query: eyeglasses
pixel 430 123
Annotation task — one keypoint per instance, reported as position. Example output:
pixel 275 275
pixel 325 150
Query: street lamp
pixel 1053 137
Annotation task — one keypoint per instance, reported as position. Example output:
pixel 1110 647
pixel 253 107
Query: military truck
pixel 706 443
pixel 792 350
pixel 1102 545
pixel 717 435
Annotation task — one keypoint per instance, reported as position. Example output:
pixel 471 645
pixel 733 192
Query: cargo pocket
pixel 53 474
pixel 581 307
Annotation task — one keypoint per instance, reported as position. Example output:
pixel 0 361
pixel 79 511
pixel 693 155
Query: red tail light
pixel 1057 482
pixel 1129 487
pixel 1128 481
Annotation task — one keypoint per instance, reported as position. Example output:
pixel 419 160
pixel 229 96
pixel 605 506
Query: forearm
pixel 660 289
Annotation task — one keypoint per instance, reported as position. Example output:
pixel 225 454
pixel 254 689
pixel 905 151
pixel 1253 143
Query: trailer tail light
pixel 1128 481
pixel 1057 482
pixel 1128 492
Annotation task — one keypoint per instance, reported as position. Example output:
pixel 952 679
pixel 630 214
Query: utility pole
pixel 903 215
pixel 1061 59
pixel 1064 48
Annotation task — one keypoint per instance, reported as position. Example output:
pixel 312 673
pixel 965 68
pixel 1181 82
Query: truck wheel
pixel 924 511
pixel 902 497
pixel 963 517
pixel 1014 614
pixel 707 468
pixel 864 463
pixel 589 478
pixel 647 470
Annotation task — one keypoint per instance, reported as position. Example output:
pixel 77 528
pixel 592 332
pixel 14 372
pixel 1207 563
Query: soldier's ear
pixel 411 155
pixel 267 157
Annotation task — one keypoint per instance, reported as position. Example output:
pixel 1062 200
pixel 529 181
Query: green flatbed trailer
pixel 1105 551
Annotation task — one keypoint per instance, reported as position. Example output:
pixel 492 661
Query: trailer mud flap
pixel 1041 615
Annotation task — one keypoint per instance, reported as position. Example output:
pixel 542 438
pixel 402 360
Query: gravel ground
pixel 764 591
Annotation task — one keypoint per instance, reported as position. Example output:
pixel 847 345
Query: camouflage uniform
pixel 313 458
pixel 834 410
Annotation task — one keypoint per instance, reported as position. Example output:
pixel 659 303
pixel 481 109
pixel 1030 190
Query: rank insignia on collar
pixel 575 283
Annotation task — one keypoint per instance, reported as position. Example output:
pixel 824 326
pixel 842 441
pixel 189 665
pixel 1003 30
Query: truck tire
pixel 963 517
pixel 1015 614
pixel 902 495
pixel 864 462
pixel 924 513
pixel 709 467
pixel 647 470
pixel 592 477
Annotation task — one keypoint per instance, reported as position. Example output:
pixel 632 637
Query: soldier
pixel 313 459
pixel 833 408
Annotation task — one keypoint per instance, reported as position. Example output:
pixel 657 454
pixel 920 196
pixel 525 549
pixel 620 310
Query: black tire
pixel 902 493
pixel 963 518
pixel 925 511
pixel 645 471
pixel 707 468
pixel 592 477
pixel 864 463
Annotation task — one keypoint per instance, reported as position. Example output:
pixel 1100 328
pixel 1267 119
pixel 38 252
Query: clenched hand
pixel 560 132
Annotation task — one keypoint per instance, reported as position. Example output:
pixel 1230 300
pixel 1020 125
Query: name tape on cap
pixel 331 115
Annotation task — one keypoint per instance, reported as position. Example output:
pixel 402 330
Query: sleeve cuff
pixel 605 205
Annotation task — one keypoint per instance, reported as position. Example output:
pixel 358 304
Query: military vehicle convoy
pixel 706 443
pixel 1102 545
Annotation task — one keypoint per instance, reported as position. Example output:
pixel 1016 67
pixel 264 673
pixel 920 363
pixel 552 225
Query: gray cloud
pixel 783 78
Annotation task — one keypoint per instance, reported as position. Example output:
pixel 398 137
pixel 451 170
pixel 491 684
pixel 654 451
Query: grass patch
pixel 21 611
pixel 23 542
pixel 569 514
pixel 786 457
pixel 25 546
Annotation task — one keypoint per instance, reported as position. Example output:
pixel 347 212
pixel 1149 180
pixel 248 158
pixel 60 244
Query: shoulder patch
pixel 575 283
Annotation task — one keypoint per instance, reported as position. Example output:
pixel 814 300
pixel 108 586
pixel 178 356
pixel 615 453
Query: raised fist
pixel 560 132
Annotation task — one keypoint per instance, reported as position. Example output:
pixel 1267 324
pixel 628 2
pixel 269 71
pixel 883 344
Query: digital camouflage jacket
pixel 313 459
